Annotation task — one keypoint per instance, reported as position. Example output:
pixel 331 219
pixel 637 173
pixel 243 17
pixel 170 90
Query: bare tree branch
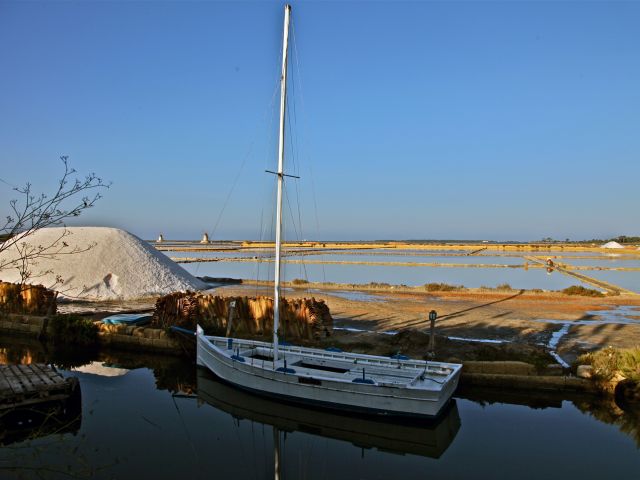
pixel 30 212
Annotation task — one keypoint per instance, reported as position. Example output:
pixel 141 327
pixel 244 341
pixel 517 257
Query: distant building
pixel 205 238
pixel 160 239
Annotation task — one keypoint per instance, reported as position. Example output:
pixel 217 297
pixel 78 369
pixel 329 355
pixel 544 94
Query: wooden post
pixel 432 339
pixel 232 309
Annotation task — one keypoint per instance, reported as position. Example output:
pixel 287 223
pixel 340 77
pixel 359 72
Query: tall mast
pixel 283 104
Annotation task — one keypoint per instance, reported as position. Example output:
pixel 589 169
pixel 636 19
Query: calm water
pixel 155 417
pixel 628 280
pixel 413 276
pixel 605 262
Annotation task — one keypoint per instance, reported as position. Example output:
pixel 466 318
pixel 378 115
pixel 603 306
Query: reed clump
pixel 378 285
pixel 302 318
pixel 580 290
pixel 27 299
pixel 441 287
pixel 73 330
pixel 609 362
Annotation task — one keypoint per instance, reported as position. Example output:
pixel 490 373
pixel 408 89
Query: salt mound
pixel 611 245
pixel 98 263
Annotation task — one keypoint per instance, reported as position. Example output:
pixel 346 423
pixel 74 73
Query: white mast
pixel 283 104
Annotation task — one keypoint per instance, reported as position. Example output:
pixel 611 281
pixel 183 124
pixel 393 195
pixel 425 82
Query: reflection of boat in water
pixel 429 438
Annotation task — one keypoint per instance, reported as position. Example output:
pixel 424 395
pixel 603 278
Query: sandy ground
pixel 520 320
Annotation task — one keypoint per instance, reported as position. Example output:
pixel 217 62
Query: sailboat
pixel 335 380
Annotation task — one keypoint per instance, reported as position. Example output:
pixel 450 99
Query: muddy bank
pixel 572 324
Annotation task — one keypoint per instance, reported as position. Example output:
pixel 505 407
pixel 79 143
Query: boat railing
pixel 250 348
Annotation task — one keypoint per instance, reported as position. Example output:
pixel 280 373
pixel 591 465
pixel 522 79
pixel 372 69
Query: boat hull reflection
pixel 428 438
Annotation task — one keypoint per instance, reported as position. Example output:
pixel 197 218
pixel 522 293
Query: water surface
pixel 395 275
pixel 159 418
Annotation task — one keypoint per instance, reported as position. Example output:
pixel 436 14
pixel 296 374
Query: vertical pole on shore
pixel 232 310
pixel 432 339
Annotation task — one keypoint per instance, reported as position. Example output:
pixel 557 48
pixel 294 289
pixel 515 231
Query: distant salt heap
pixel 109 264
pixel 611 245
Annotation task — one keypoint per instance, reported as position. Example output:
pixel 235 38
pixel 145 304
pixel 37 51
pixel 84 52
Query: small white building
pixel 160 239
pixel 205 238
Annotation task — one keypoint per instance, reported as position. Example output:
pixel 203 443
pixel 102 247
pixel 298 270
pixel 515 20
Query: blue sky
pixel 471 120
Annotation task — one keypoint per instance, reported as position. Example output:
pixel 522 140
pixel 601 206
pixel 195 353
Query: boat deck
pixel 346 367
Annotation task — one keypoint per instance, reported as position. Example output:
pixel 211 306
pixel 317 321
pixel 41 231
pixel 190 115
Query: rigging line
pixel 244 161
pixel 272 228
pixel 186 431
pixel 272 139
pixel 294 146
pixel 299 165
pixel 315 208
pixel 7 183
pixel 302 253
pixel 297 156
pixel 303 266
pixel 253 448
pixel 292 151
pixel 295 153
pixel 260 231
pixel 305 126
pixel 291 107
pixel 293 223
pixel 263 232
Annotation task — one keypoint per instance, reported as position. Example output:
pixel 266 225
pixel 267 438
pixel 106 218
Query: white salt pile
pixel 611 245
pixel 97 263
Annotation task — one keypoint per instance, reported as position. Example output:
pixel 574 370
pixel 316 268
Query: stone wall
pixel 138 338
pixel 31 325
pixel 119 336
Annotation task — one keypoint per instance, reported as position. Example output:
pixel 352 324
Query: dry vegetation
pixel 300 317
pixel 29 299
pixel 585 292
pixel 609 362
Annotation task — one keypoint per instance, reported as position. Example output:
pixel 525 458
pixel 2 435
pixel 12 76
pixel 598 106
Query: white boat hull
pixel 343 381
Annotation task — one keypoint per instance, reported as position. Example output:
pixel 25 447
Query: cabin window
pixel 324 368
pixel 260 356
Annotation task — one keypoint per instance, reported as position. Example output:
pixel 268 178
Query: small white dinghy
pixel 344 381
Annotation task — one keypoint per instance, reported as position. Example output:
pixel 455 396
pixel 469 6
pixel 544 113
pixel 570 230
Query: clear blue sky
pixel 496 120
